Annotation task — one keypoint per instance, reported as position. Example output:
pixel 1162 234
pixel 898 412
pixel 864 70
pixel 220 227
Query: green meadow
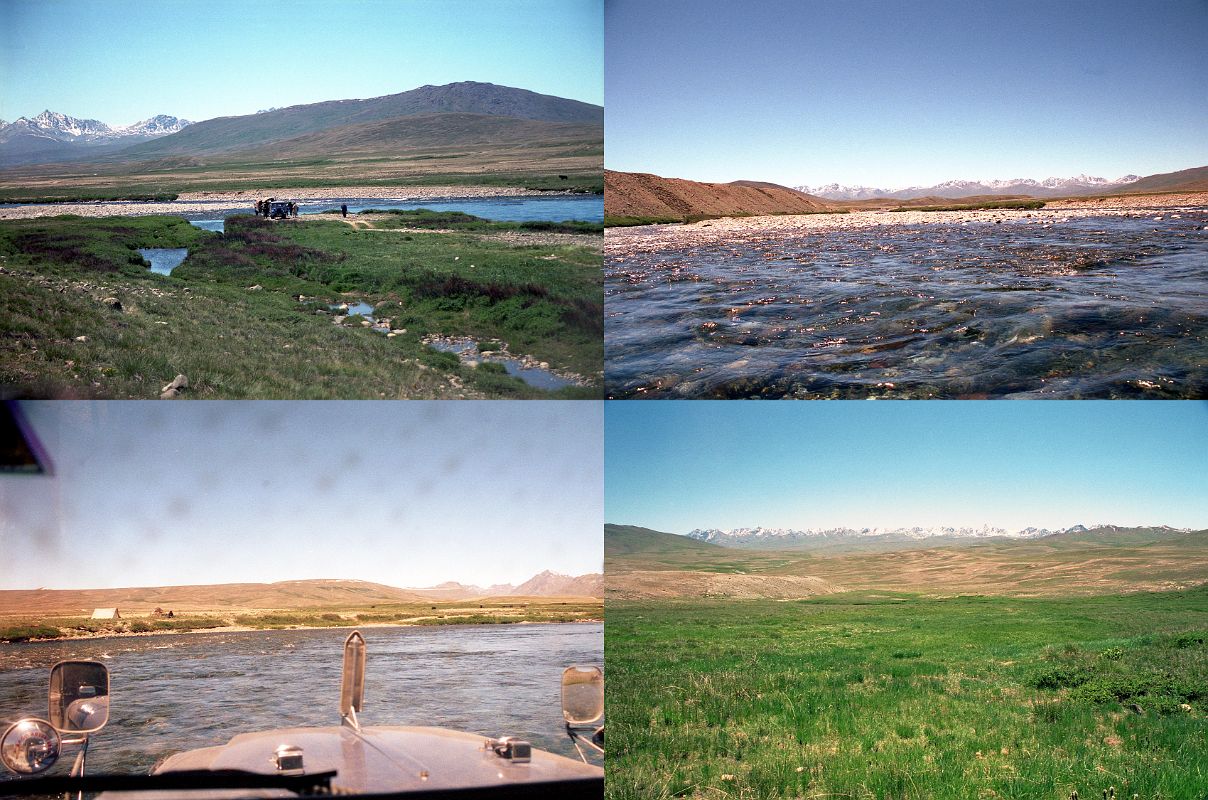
pixel 247 315
pixel 880 694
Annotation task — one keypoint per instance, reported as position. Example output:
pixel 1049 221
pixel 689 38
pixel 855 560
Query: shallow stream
pixel 1066 308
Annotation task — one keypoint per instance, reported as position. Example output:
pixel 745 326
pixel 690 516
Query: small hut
pixel 106 613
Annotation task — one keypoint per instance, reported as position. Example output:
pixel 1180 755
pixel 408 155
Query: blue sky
pixel 121 61
pixel 678 465
pixel 401 493
pixel 890 94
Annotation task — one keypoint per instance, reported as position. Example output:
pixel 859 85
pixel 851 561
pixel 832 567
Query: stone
pixel 81 338
pixel 255 288
pixel 338 318
pixel 113 303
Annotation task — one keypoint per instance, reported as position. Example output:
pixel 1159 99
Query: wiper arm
pixel 316 783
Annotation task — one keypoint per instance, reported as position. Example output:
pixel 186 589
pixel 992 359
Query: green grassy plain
pixel 231 320
pixel 881 694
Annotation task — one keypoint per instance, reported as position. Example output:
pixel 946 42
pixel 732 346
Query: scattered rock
pixel 81 338
pixel 113 303
pixel 178 384
pixel 255 288
pixel 338 318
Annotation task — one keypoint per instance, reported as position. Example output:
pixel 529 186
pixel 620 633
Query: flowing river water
pixel 179 692
pixel 1034 306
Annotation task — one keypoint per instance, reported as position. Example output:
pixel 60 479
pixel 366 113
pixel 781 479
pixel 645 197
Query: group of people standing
pixel 264 208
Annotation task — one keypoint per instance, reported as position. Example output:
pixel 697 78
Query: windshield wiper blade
pixel 316 783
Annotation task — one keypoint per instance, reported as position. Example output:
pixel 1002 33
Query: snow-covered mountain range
pixel 1049 187
pixel 51 136
pixel 789 538
pixel 63 128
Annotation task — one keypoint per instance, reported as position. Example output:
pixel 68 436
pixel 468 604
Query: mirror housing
pixel 30 746
pixel 582 695
pixel 352 679
pixel 79 696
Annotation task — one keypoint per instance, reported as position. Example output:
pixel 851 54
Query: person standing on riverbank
pixel 344 210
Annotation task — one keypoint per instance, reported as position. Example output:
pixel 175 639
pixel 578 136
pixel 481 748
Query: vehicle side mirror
pixel 79 696
pixel 30 746
pixel 582 695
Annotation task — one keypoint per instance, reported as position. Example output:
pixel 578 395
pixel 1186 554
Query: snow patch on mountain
pixel 64 128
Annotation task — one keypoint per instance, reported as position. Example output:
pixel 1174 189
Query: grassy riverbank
pixel 871 695
pixel 465 612
pixel 247 314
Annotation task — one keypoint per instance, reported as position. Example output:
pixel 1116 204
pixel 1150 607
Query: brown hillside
pixel 1185 180
pixel 282 595
pixel 640 194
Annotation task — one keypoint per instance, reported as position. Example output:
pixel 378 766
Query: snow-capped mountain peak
pixel 159 125
pixel 793 538
pixel 61 127
pixel 960 187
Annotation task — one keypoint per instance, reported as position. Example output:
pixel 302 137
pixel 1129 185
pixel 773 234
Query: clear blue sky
pixel 121 61
pixel 889 94
pixel 400 493
pixel 678 465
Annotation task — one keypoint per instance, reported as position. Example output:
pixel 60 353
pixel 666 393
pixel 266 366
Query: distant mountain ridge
pixel 485 110
pixel 788 538
pixel 330 592
pixel 53 136
pixel 543 584
pixel 1048 187
pixel 226 134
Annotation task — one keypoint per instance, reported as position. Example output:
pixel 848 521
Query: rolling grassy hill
pixel 431 133
pixel 229 134
pixel 459 134
pixel 1102 560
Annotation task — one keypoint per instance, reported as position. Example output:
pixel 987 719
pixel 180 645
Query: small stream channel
pixel 537 377
pixel 164 259
pixel 465 349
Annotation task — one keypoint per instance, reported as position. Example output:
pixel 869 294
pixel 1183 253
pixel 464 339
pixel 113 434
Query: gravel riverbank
pixel 222 201
pixel 736 230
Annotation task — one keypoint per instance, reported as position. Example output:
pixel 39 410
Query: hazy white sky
pixel 400 493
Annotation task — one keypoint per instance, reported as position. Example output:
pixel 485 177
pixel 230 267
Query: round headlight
pixel 30 746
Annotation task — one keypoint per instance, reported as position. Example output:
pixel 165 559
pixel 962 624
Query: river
pixel 1088 307
pixel 178 692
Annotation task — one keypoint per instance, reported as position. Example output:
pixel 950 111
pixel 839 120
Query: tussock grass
pixel 856 696
pixel 229 317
